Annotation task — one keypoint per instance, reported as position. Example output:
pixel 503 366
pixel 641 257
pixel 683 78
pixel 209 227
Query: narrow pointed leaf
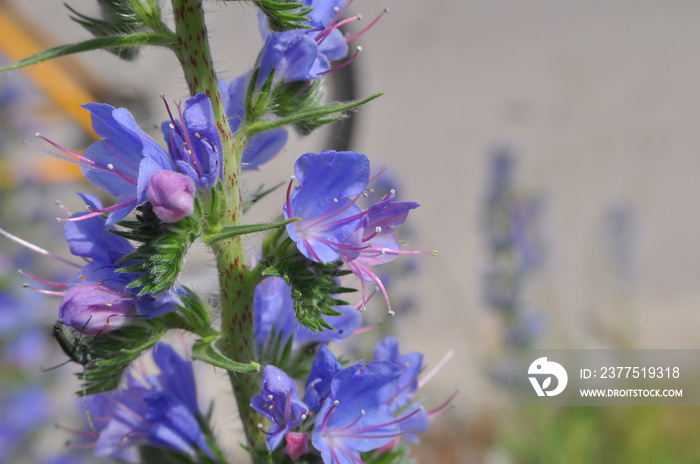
pixel 314 116
pixel 131 40
pixel 206 350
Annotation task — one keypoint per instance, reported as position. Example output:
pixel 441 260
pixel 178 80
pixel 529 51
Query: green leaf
pixel 122 41
pixel 205 350
pixel 234 231
pixel 308 119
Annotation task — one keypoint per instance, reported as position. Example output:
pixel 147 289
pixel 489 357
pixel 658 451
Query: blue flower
pixel 354 418
pixel 162 411
pixel 325 200
pixel 279 402
pixel 318 383
pixel 305 54
pixel 125 159
pixel 332 226
pixel 262 147
pixel 274 309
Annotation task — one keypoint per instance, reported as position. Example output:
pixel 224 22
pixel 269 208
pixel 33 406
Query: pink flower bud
pixel 297 444
pixel 171 194
pixel 92 308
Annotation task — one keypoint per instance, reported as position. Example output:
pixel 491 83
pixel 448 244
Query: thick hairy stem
pixel 237 284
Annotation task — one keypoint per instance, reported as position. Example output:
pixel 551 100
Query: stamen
pixel 36 248
pixel 43 291
pixel 45 282
pixel 437 368
pixel 342 65
pixel 353 37
pixel 443 408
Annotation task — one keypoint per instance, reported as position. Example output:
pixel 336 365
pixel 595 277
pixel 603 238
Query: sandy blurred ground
pixel 601 99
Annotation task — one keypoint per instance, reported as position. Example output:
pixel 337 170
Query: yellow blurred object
pixel 16 44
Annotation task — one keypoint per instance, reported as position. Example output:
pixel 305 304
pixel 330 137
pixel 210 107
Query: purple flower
pixel 325 200
pixel 126 158
pixel 302 55
pixel 261 148
pixel 171 194
pixel 162 411
pixel 97 299
pixel 274 309
pixel 279 402
pixel 194 144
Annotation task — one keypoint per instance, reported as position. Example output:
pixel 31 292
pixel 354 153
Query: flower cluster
pixel 513 240
pixel 346 411
pixel 281 313
pixel 160 410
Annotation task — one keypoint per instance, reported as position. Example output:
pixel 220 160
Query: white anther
pixel 363 309
pixel 392 191
pixel 336 9
pixel 359 48
pixel 109 305
pixel 269 397
pixel 171 125
pixel 303 417
pixel 271 407
pixel 25 285
pixel 391 313
pixel 110 166
pixel 196 134
pixel 362 411
pixel 260 426
pixel 335 200
pixel 336 402
pixel 386 9
pixel 383 251
pixel 37 134
pixel 378 229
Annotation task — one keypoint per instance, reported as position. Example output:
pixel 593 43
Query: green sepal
pixel 314 285
pixel 307 120
pixel 159 259
pixel 111 354
pixel 284 15
pixel 295 363
pixel 121 41
pixel 205 350
pixel 233 231
pixel 122 17
pixel 395 455
pixel 195 312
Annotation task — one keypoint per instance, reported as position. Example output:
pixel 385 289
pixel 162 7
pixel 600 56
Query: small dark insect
pixel 77 352
pixel 73 348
